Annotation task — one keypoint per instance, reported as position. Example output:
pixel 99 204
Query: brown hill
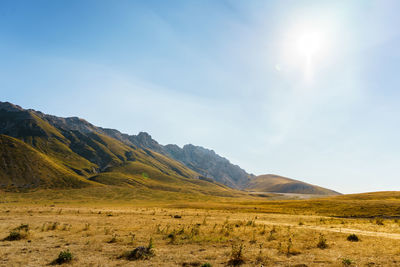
pixel 280 184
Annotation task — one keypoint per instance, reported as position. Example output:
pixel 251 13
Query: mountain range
pixel 44 151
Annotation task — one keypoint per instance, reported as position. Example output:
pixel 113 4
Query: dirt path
pixel 337 230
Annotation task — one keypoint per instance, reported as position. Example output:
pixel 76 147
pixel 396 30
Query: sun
pixel 308 44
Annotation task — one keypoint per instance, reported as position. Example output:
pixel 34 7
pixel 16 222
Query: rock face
pixel 209 164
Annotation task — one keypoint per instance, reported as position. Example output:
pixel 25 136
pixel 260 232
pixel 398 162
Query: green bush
pixel 64 257
pixel 347 262
pixel 353 238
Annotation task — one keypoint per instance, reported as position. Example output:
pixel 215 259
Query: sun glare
pixel 308 44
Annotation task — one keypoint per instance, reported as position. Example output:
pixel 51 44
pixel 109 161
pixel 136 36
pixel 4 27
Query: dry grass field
pixel 99 236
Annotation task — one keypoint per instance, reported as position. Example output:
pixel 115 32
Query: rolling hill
pixel 280 184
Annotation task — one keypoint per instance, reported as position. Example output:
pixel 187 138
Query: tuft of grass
pixel 353 238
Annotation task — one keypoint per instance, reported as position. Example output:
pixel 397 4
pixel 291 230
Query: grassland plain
pixel 194 231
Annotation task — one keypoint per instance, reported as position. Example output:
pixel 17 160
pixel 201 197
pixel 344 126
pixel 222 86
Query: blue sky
pixel 304 89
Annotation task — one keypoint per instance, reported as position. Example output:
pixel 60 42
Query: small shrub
pixel 379 221
pixel 87 227
pixel 177 216
pixel 271 234
pixel 204 221
pixel 18 233
pixel 263 230
pixel 53 226
pixel 66 227
pixel 288 250
pixel 253 238
pixel 322 242
pixel 347 262
pixel 24 227
pixel 353 238
pixel 206 265
pixel 140 253
pixel 13 236
pixel 64 257
pixel 172 237
pixel 236 255
pixel 113 239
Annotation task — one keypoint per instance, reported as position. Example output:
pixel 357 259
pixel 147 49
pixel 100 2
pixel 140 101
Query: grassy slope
pixel 275 183
pixel 51 142
pixel 24 167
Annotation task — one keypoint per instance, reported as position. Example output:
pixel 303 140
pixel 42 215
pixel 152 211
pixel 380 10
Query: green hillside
pixel 22 167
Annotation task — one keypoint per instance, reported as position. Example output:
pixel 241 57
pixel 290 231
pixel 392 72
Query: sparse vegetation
pixel 275 239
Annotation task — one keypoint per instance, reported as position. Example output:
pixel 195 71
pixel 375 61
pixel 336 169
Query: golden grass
pixel 98 235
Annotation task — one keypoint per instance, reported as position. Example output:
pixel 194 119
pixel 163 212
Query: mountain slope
pixel 22 167
pixel 279 184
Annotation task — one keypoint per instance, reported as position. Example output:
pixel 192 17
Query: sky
pixel 303 89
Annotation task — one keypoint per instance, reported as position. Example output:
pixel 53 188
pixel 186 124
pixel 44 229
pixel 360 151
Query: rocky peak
pixel 7 106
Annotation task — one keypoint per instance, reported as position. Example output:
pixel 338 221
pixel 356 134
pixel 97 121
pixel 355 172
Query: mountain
pixel 42 151
pixel 71 152
pixel 279 184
